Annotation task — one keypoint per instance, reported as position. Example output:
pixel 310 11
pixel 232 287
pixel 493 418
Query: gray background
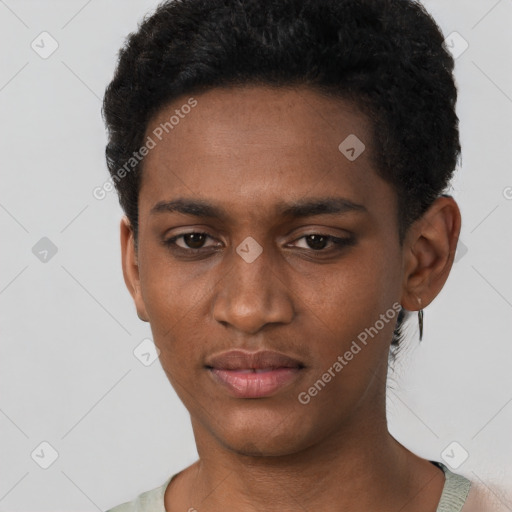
pixel 68 373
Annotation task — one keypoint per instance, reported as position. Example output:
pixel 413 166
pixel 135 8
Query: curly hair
pixel 386 56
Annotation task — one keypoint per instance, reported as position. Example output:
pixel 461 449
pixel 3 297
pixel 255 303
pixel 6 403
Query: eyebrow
pixel 297 209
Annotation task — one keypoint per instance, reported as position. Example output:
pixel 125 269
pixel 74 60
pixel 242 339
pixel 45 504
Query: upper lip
pixel 240 360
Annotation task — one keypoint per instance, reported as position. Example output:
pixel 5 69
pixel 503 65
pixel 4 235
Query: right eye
pixel 193 241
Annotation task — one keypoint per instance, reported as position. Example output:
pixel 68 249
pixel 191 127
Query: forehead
pixel 257 146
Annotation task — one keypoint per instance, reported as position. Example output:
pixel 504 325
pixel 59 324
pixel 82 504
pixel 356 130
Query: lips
pixel 257 361
pixel 253 374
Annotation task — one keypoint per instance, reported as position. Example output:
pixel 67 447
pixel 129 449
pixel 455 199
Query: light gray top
pixel 455 491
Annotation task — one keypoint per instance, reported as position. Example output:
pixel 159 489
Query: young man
pixel 282 166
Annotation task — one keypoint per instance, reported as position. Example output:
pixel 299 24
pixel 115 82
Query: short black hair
pixel 386 56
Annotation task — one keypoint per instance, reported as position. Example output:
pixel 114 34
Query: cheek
pixel 356 301
pixel 176 309
pixel 359 287
pixel 171 293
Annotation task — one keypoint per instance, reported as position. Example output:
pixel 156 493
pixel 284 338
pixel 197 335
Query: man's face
pixel 263 279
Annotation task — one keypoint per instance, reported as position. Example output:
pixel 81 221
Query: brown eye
pixel 318 242
pixel 192 241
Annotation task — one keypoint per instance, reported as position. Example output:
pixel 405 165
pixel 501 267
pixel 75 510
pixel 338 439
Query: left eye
pixel 317 242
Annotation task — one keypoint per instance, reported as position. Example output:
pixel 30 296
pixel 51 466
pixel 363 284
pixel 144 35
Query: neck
pixel 360 467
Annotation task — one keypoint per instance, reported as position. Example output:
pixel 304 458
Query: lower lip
pixel 243 384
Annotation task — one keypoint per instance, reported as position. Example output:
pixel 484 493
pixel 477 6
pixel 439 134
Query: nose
pixel 253 294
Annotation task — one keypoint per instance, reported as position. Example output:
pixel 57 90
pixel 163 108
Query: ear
pixel 131 267
pixel 429 250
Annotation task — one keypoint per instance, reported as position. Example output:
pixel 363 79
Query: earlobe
pixel 131 267
pixel 429 252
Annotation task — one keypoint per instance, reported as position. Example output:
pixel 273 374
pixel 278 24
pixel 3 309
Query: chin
pixel 271 437
pixel 264 447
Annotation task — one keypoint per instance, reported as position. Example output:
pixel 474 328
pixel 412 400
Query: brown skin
pixel 245 150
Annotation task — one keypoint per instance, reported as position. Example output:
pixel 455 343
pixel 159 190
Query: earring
pixel 420 319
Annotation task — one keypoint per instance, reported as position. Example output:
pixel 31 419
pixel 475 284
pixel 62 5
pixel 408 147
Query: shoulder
pixel 148 501
pixel 482 499
pixel 455 491
pixel 463 495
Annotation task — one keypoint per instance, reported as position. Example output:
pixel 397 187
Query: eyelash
pixel 338 243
